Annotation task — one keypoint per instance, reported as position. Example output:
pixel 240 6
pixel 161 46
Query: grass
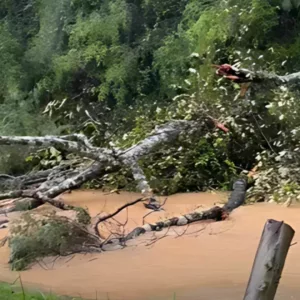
pixel 17 292
pixel 12 292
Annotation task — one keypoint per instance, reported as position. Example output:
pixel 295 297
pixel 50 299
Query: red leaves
pixel 234 74
pixel 227 71
pixel 218 125
pixel 222 127
pixel 223 70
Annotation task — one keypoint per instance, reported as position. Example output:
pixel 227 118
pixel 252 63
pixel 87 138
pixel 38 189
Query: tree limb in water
pixel 97 220
pixel 236 199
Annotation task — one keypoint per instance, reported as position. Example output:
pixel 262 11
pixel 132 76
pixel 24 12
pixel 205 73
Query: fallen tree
pixel 35 189
pixel 217 213
pixel 32 190
pixel 34 236
pixel 44 186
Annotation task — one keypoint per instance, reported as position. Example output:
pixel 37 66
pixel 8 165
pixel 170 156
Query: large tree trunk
pixel 44 186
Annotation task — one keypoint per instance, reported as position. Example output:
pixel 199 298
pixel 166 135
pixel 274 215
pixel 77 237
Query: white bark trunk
pixel 106 160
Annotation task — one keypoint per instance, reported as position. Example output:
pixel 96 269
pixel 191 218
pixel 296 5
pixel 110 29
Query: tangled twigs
pixel 98 219
pixel 154 204
pixel 159 208
pixel 156 239
pixel 183 232
pixel 116 235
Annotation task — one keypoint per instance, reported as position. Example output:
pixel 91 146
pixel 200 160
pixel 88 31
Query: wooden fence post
pixel 269 261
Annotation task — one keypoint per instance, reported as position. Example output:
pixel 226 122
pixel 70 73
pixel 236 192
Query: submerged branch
pixel 236 199
pixel 98 219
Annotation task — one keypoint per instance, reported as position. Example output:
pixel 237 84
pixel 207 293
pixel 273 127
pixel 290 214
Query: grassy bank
pixel 12 292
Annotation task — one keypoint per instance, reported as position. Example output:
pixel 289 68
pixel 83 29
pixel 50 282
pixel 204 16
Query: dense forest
pixel 115 69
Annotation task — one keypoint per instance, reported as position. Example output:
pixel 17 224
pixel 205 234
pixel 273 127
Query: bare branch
pixel 60 144
pixel 236 199
pixel 79 138
pixel 156 239
pixel 261 76
pixel 57 181
pixel 99 219
pixel 102 219
pixel 183 232
pixel 161 135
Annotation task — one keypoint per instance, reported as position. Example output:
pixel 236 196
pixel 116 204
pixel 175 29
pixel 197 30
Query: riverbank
pixel 209 261
pixel 17 292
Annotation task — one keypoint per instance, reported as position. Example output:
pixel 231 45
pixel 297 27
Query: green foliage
pixel 24 206
pixel 17 292
pixel 12 160
pixel 10 55
pixel 45 158
pixel 115 69
pixel 45 236
pixel 83 216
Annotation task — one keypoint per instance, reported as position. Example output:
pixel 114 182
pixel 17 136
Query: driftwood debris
pixel 269 261
pixel 217 213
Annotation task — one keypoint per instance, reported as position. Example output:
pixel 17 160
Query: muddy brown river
pixel 209 261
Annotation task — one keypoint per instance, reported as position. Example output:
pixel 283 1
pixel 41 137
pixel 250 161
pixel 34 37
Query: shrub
pixel 35 236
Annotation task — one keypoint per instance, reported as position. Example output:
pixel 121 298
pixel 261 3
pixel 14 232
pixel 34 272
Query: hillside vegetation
pixel 114 69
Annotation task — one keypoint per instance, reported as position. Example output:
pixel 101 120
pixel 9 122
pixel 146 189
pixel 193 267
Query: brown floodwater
pixel 209 261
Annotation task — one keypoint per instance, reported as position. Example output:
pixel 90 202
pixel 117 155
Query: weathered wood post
pixel 269 261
